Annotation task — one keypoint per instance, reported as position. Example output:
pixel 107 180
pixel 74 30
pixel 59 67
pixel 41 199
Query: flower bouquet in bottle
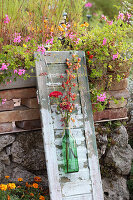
pixel 66 107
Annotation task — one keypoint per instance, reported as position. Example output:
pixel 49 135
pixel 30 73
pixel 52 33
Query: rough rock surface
pixel 5 140
pixel 4 158
pixel 28 151
pixel 115 189
pixel 121 154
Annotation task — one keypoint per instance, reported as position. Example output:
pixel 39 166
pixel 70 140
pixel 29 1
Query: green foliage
pixel 18 57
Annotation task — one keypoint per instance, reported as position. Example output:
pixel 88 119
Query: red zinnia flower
pixel 91 56
pixel 88 53
pixel 55 94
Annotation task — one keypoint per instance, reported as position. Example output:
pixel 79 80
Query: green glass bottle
pixel 69 150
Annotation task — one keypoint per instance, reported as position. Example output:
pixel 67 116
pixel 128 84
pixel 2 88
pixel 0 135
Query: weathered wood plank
pixel 48 134
pixel 59 56
pixel 90 132
pixel 77 188
pixel 79 197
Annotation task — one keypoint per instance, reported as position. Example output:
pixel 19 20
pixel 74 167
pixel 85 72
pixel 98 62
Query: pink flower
pixel 128 15
pixel 72 36
pixel 27 39
pixel 88 5
pixel 102 97
pixel 104 17
pixel 3 101
pixel 15 71
pixel 4 66
pixel 17 38
pixel 41 49
pixel 68 26
pixel 121 15
pixel 104 41
pixel 6 19
pixel 115 56
pixel 110 22
pixel 50 41
pixel 21 71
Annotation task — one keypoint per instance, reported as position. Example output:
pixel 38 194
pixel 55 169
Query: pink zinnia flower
pixel 110 22
pixel 15 71
pixel 27 39
pixel 121 15
pixel 6 19
pixel 17 38
pixel 102 97
pixel 41 49
pixel 115 56
pixel 4 66
pixel 104 17
pixel 104 41
pixel 128 15
pixel 88 5
pixel 50 41
pixel 72 36
pixel 21 71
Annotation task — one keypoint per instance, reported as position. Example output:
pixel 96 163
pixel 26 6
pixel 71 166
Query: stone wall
pixel 22 155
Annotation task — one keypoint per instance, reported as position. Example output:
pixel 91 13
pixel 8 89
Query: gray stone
pixel 26 175
pixel 121 154
pixel 4 158
pixel 115 189
pixel 2 167
pixel 5 140
pixel 102 144
pixel 28 151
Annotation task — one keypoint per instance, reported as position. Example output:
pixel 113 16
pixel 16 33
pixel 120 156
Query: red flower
pixel 55 94
pixel 63 85
pixel 91 56
pixel 65 105
pixel 88 53
pixel 74 84
pixel 61 76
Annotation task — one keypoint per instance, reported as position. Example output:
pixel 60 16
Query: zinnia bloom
pixel 104 41
pixel 115 56
pixel 65 105
pixel 31 194
pixel 6 19
pixel 20 179
pixel 3 187
pixel 11 186
pixel 7 177
pixel 88 5
pixel 91 56
pixel 37 179
pixel 55 94
pixel 41 198
pixel 35 185
pixel 102 97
